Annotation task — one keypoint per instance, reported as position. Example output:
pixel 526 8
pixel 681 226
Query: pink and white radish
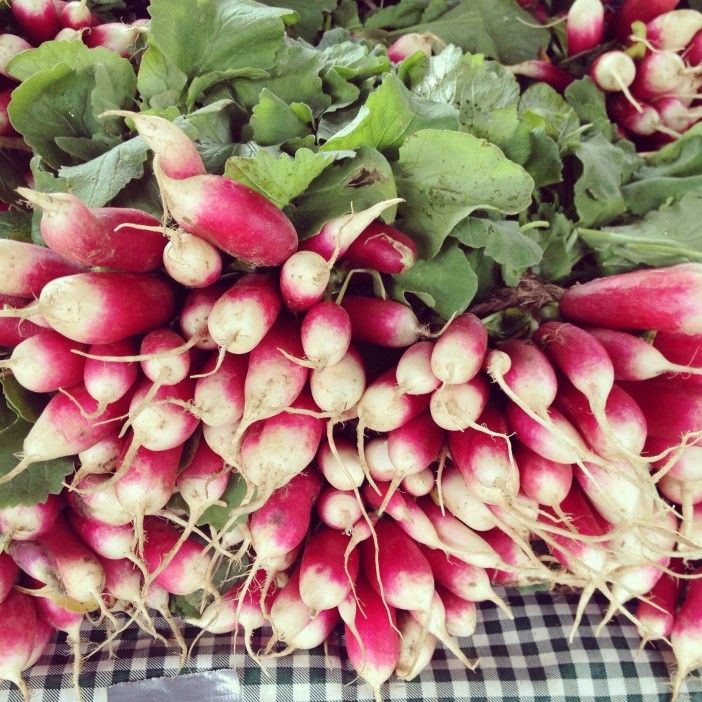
pixel 98 237
pixel 195 312
pixel 408 45
pixel 338 388
pixel 417 646
pixel 545 481
pixel 327 572
pixel 340 464
pixel 109 381
pixel 219 394
pixel 656 613
pixel 419 484
pixel 664 299
pixel 191 261
pixel 457 407
pixel 115 36
pixel 614 72
pixel 584 26
pixel 543 70
pixel 674 30
pixel 382 248
pixel 631 11
pixel 25 269
pixel 76 15
pixel 38 18
pixel 462 503
pixel 458 354
pixel 94 497
pixel 100 308
pixel 108 541
pixel 13 331
pixel 17 637
pixel 10 46
pixel 461 614
pixel 46 362
pixel 382 322
pixel 325 333
pixel 338 509
pixel 8 575
pixel 414 373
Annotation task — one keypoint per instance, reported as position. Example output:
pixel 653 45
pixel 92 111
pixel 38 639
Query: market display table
pixel 525 660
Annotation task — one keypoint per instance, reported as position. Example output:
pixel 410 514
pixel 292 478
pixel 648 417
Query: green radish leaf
pixel 310 12
pixel 280 178
pixel 391 114
pixel 515 252
pixel 274 122
pixel 160 82
pixel 558 118
pixel 17 225
pixel 217 515
pixel 588 101
pixel 100 180
pixel 39 480
pixel 353 184
pixel 662 238
pixel 446 284
pixel 25 404
pixel 13 166
pixel 445 176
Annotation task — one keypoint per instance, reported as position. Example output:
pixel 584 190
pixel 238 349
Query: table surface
pixel 524 660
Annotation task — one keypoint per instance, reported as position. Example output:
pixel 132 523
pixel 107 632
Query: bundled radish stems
pixel 391 496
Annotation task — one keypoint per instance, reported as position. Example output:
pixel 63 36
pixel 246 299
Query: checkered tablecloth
pixel 525 660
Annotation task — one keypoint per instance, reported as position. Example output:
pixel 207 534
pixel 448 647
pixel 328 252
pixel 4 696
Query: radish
pixel 384 407
pixel 457 407
pixel 219 394
pixel 98 237
pixel 114 36
pixel 304 278
pixel 38 18
pixel 340 464
pixel 378 460
pixel 408 45
pixel 79 571
pixel 626 423
pixel 112 542
pixel 221 439
pixel 414 374
pixel 191 261
pixel 417 647
pixel 460 614
pixel 178 157
pixel 333 240
pixel 583 359
pixel 196 311
pixel 664 299
pixel 382 322
pixel 371 636
pixel 94 497
pixel 405 578
pixel 314 634
pixel 382 248
pixel 435 622
pixel 338 388
pixel 100 458
pixel 643 120
pixel 419 484
pixel 524 374
pixel 671 409
pixel 338 509
pixel 224 617
pixel 25 269
pixel 42 637
pixel 413 447
pixel 62 429
pixel 632 11
pixel 279 448
pixel 674 30
pixel 13 331
pixel 162 361
pixel 657 74
pixel 682 462
pixel 69 34
pixel 244 314
pixel 635 359
pixel 485 460
pixel 29 522
pixel 459 352
pixel 545 481
pixel 45 362
pixel 613 72
pixel 17 637
pixel 289 615
pixel 584 26
pixel 326 576
pixel 10 46
pixel 109 381
pixel 229 215
pixel 102 307
pixel 189 569
pixel 656 613
pixel 37 562
pixel 545 71
pixel 675 114
pixel 8 575
pixel 463 580
pixel 76 15
pixel 462 503
pixel 147 484
pixel 325 333
pixel 65 620
pixel 683 349
pixel 6 128
pixel 692 53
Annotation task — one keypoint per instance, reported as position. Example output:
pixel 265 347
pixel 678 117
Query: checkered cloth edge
pixel 524 660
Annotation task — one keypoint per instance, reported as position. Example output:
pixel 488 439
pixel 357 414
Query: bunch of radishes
pixel 43 20
pixel 171 374
pixel 650 70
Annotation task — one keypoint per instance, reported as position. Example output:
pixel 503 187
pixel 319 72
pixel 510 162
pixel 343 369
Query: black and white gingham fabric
pixel 525 660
